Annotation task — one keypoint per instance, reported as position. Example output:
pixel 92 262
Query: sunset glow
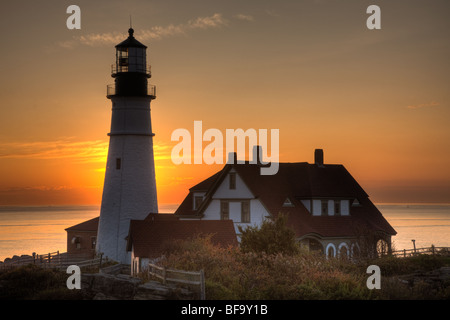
pixel 376 101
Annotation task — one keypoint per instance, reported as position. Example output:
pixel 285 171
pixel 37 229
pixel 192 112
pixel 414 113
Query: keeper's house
pixel 326 207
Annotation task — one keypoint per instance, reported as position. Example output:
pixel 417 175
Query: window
pixel 93 242
pixel 197 202
pixel 233 180
pixel 324 207
pixel 123 62
pixel 337 207
pixel 122 58
pixel 224 210
pixel 288 203
pixel 118 163
pixel 245 211
pixel 77 241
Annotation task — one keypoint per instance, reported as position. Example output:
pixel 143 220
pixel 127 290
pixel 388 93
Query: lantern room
pixel 130 70
pixel 131 56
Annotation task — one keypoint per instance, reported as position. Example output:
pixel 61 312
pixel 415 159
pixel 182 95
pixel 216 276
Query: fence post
pixel 202 285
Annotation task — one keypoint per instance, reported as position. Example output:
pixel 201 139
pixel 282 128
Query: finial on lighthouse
pixel 131 30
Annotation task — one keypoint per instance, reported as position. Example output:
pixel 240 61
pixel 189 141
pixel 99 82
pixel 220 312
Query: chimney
pixel 318 157
pixel 232 158
pixel 257 155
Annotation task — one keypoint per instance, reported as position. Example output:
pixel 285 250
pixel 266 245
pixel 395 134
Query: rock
pixel 101 286
pixel 152 291
pixel 102 296
pixel 114 286
pixel 86 281
pixel 444 273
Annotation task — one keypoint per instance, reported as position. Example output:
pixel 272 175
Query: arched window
pixel 331 251
pixel 343 251
pixel 355 251
pixel 382 248
pixel 315 246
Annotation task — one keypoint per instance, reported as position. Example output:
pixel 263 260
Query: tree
pixel 273 236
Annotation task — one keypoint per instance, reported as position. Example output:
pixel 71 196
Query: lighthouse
pixel 129 190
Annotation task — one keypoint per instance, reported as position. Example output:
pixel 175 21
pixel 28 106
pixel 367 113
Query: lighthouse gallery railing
pixel 111 90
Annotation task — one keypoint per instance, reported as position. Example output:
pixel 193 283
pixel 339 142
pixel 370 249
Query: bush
pixel 392 266
pixel 233 274
pixel 31 282
pixel 271 237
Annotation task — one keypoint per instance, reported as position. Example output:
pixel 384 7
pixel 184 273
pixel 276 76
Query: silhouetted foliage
pixel 271 237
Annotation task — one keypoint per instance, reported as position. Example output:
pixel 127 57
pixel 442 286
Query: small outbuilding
pixel 81 239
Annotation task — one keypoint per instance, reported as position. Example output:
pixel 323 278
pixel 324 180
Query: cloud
pixel 244 17
pixel 64 148
pixel 424 105
pixel 154 33
pixel 37 188
pixel 93 151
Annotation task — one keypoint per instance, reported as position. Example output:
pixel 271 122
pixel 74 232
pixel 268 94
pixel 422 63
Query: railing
pixel 53 260
pixel 430 250
pixel 147 69
pixel 111 90
pixel 189 278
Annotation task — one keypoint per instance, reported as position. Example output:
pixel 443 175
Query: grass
pixel 233 274
pixel 34 283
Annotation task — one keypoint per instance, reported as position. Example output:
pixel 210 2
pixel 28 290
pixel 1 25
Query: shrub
pixel 271 237
pixel 29 282
pixel 233 274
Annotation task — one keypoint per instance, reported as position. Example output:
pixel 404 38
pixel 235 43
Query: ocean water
pixel 24 230
pixel 427 224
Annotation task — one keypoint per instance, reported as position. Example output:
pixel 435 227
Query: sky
pixel 376 101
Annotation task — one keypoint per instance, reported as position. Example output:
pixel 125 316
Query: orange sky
pixel 375 101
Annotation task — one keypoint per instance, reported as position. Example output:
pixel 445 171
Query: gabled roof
pixel 300 181
pixel 148 237
pixel 89 225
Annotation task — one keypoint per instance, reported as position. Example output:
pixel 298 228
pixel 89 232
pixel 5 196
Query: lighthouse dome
pixel 131 41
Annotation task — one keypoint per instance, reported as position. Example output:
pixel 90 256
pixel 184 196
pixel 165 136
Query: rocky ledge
pixel 101 286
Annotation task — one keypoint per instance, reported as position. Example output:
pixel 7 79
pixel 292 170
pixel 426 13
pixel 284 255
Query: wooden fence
pixel 413 252
pixel 189 278
pixel 52 260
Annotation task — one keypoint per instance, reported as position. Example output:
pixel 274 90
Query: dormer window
pixel 197 202
pixel 288 203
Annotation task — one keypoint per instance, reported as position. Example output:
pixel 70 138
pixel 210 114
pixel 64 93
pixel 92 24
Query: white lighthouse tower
pixel 129 190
